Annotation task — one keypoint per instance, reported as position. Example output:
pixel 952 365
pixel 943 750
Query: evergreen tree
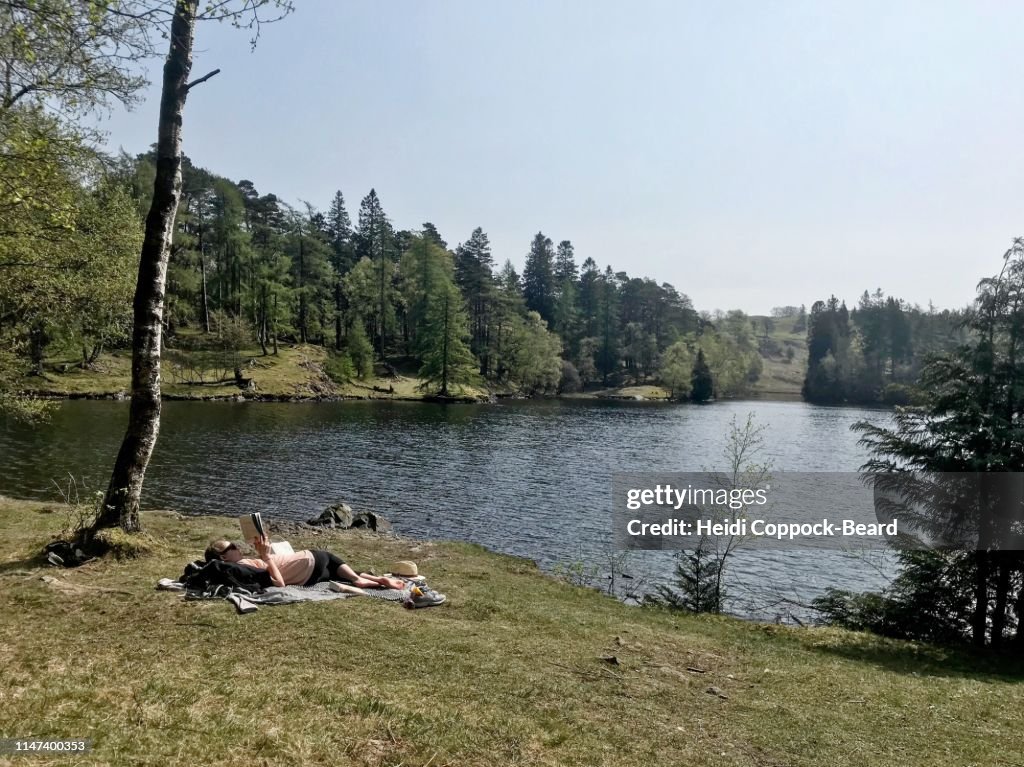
pixel 230 246
pixel 339 228
pixel 360 290
pixel 565 264
pixel 427 271
pixel 375 242
pixel 702 385
pixel 313 277
pixel 589 297
pixel 566 320
pixel 607 325
pixel 967 432
pixel 828 335
pixel 697 587
pixel 566 313
pixel 447 360
pixel 509 308
pixel 539 277
pixel 474 275
pixel 432 235
pixel 359 350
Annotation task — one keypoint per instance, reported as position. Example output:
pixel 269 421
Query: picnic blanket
pixel 249 600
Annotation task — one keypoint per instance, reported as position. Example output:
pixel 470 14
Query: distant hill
pixel 782 376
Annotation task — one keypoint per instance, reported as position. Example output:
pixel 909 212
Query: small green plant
pixel 698 587
pixel 339 368
pixel 576 572
pixel 699 583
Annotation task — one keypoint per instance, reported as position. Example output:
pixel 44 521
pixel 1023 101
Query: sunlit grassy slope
pixel 297 371
pixel 781 377
pixel 517 669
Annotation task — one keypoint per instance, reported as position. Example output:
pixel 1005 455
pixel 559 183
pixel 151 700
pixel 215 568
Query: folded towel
pixel 166 584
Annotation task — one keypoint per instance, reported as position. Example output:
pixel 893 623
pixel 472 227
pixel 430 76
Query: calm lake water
pixel 521 477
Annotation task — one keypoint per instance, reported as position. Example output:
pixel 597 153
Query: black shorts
pixel 325 567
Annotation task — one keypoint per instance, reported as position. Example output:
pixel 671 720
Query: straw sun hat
pixel 405 568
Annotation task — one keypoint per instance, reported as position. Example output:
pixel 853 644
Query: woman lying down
pixel 301 568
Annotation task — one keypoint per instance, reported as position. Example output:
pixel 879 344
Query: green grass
pixel 782 378
pixel 633 392
pixel 302 372
pixel 295 372
pixel 509 672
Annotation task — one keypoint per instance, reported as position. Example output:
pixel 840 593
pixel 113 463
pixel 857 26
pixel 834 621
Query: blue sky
pixel 751 154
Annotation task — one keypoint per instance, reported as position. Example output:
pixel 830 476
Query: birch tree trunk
pixel 121 502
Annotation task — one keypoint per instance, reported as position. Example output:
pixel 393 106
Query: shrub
pixel 570 381
pixel 339 368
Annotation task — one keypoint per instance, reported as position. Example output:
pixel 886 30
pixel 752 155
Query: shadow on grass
pixel 929 660
pixel 20 566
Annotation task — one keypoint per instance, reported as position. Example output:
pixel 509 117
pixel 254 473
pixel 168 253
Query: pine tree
pixel 697 586
pixel 589 297
pixel 607 325
pixel 374 241
pixel 702 385
pixel 426 272
pixel 566 312
pixel 969 428
pixel 447 360
pixel 539 277
pixel 432 235
pixel 509 308
pixel 359 350
pixel 474 275
pixel 828 336
pixel 339 228
pixel 565 264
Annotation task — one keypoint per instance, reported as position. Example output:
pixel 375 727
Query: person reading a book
pixel 299 568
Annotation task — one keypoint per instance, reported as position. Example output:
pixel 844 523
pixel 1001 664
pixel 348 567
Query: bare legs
pixel 367 581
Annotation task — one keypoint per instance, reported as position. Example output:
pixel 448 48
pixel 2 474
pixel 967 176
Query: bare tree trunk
pixel 121 504
pixel 302 289
pixel 38 339
pixel 274 325
pixel 1018 610
pixel 444 350
pixel 202 268
pixel 337 316
pixel 261 322
pixel 979 615
pixel 1002 597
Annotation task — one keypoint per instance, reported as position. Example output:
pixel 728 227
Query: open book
pixel 254 529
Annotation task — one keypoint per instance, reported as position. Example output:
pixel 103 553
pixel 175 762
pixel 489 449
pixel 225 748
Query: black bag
pixel 199 576
pixel 64 554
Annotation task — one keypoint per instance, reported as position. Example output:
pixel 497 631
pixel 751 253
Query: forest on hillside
pixel 254 269
pixel 874 354
pixel 249 269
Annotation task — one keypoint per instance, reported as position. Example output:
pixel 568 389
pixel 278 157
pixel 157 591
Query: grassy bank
pixel 303 371
pixel 296 372
pixel 782 376
pixel 511 671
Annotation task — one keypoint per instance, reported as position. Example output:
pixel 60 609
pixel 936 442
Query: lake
pixel 530 478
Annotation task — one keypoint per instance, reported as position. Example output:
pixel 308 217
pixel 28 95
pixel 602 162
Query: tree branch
pixel 202 79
